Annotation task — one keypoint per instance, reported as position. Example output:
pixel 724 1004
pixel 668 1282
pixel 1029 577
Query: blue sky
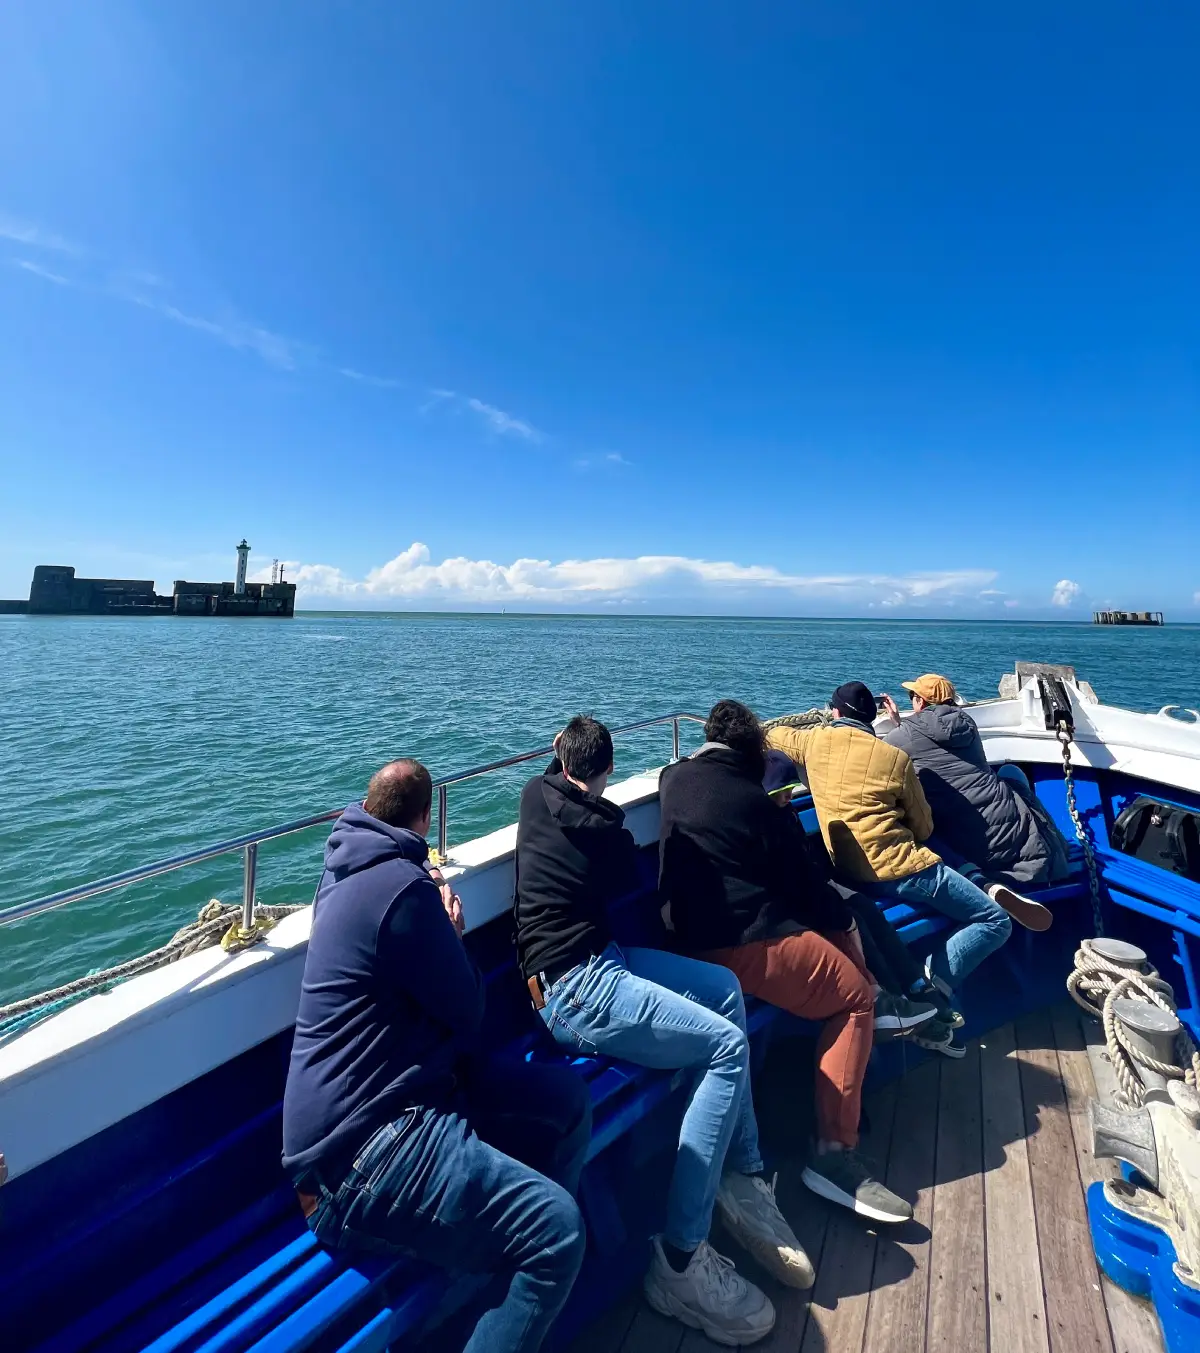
pixel 784 308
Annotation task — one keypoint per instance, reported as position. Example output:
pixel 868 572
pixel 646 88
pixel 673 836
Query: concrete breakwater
pixel 56 590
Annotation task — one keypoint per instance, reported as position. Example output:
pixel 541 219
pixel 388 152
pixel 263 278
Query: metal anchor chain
pixel 1063 732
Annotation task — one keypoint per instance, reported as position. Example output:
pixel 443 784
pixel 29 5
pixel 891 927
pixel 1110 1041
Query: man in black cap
pixel 875 820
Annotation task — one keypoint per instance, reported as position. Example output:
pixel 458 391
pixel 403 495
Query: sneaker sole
pixel 955 1050
pixel 1032 915
pixel 666 1305
pixel 799 1276
pixel 822 1186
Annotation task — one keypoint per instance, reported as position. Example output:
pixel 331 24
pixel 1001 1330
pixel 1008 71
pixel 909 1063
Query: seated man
pixel 395 1142
pixel 907 1004
pixel 655 1009
pixel 986 824
pixel 736 894
pixel 874 818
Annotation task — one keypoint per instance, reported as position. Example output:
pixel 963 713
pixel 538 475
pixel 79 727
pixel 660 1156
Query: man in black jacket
pixel 738 895
pixel 398 1136
pixel 655 1009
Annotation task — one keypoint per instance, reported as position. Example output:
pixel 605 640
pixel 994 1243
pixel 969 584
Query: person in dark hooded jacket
pixel 397 1133
pixel 656 1009
pixel 986 825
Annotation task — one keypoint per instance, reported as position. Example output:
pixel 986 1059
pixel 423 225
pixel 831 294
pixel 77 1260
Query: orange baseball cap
pixel 937 690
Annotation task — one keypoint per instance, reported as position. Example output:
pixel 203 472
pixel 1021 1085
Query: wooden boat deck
pixel 996 1154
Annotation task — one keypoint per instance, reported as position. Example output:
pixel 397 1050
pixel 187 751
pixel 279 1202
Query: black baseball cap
pixel 854 699
pixel 781 773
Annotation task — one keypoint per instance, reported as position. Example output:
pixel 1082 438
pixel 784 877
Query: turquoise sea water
pixel 122 741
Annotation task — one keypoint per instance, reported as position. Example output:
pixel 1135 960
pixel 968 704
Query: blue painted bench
pixel 259 1281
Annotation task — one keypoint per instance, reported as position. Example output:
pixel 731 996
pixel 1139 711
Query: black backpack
pixel 1161 834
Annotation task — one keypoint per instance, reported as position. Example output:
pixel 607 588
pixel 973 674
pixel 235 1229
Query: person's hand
pixel 453 905
pixel 889 706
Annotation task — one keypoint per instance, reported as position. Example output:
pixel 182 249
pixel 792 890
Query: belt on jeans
pixel 541 982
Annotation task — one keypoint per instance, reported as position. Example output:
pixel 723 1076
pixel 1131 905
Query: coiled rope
pixel 811 718
pixel 1095 985
pixel 217 922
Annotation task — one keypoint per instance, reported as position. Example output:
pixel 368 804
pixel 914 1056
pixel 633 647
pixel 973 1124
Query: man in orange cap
pixel 987 824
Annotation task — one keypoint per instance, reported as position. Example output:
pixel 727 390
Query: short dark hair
pixel 737 726
pixel 400 793
pixel 585 748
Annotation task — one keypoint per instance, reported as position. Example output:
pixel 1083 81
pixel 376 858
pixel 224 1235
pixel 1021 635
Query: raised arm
pixel 425 957
pixel 792 742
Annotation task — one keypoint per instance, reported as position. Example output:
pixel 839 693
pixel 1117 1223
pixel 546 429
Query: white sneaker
pixel 746 1204
pixel 711 1296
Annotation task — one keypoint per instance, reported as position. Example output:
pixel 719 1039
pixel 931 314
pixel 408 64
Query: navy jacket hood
pixel 359 841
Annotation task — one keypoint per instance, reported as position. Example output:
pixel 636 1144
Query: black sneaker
pixel 843 1178
pixel 938 1036
pixel 1032 915
pixel 896 1016
pixel 936 991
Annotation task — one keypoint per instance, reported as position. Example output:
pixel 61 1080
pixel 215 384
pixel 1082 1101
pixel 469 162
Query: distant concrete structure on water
pixel 57 591
pixel 1127 617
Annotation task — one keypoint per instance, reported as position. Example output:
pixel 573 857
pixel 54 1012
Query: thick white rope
pixel 1095 985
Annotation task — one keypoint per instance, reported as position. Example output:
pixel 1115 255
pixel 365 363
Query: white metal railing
pixel 249 844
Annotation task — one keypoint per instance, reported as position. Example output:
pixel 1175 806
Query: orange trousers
pixel 817 977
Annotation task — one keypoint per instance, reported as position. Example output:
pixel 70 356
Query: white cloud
pixel 609 461
pixel 1011 602
pixel 379 382
pixel 503 423
pixel 38 271
pixel 22 232
pixel 413 576
pixel 1065 592
pixel 234 332
pixel 991 592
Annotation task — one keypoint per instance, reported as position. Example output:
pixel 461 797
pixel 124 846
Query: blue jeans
pixel 661 1010
pixel 482 1186
pixel 984 925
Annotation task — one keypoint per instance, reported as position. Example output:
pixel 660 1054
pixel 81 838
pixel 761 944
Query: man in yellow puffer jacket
pixel 874 817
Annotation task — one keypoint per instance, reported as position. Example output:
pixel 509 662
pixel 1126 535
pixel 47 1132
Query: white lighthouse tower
pixel 239 585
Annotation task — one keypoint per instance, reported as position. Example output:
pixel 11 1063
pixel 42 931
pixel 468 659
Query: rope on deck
pixel 1095 985
pixel 811 718
pixel 217 922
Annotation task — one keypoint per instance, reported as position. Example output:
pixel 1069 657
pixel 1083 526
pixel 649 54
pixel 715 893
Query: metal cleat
pixel 1162 1143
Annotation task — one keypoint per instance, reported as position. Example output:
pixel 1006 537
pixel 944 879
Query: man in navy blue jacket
pixel 396 1133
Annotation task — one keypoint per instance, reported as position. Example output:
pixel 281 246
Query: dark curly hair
pixel 731 722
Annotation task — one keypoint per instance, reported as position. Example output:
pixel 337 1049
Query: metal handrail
pixel 249 844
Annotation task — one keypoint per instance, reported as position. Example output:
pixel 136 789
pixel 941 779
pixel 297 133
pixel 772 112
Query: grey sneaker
pixel 843 1178
pixel 1032 915
pixel 709 1295
pixel 746 1204
pixel 897 1015
pixel 938 1036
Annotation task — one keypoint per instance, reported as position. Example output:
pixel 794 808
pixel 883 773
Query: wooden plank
pixel 958 1258
pixel 1133 1324
pixel 607 1334
pixel 1076 1320
pixel 653 1333
pixel 837 1316
pixel 896 1313
pixel 1016 1306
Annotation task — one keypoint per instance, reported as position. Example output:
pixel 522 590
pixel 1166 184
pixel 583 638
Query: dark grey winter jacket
pixel 975 812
